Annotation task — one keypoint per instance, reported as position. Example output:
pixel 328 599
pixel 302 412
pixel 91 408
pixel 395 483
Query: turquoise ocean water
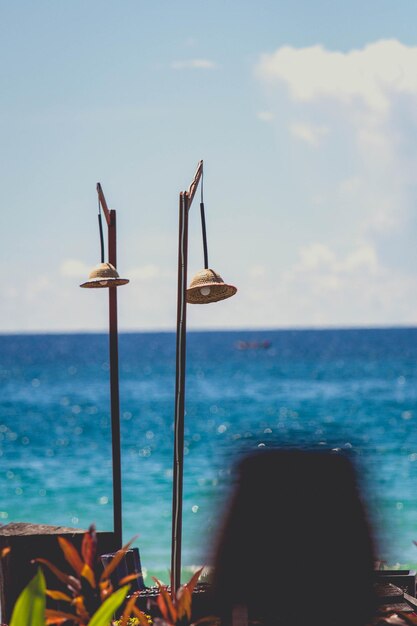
pixel 349 389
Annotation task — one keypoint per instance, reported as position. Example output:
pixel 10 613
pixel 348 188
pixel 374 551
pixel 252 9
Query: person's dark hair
pixel 295 545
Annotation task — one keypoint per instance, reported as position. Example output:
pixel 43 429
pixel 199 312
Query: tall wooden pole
pixel 179 396
pixel 110 216
pixel 186 199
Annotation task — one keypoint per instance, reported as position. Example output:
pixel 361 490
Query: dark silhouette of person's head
pixel 295 545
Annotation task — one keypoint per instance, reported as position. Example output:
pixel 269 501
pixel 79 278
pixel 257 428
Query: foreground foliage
pixel 30 608
pixel 91 600
pixel 176 611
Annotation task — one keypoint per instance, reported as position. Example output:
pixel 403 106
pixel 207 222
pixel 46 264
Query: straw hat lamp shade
pixel 208 286
pixel 104 275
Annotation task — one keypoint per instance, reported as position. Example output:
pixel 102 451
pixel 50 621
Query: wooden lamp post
pixel 105 275
pixel 206 286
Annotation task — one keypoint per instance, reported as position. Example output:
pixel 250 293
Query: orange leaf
pixel 143 620
pixel 109 569
pixel 128 610
pixel 58 595
pixel 184 595
pixel 64 578
pixel 88 573
pixel 167 607
pixel 89 546
pixel 165 604
pixel 5 552
pixel 71 555
pixel 106 588
pixel 184 600
pixel 80 608
pixel 194 579
pixel 128 578
pixel 59 617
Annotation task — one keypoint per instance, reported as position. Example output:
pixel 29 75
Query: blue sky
pixel 303 112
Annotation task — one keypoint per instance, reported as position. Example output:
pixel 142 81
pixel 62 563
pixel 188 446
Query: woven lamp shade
pixel 208 286
pixel 104 275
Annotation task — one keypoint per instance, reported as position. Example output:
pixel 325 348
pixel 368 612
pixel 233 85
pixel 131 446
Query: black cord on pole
pixel 100 226
pixel 203 226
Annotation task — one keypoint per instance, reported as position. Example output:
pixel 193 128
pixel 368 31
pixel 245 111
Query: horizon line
pixel 213 330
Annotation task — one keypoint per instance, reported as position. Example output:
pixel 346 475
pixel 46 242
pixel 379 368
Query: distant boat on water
pixel 253 345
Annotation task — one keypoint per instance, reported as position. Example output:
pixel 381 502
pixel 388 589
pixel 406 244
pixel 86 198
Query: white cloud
pixel 193 64
pixel 364 258
pixel 265 116
pixel 341 289
pixel 368 75
pixel 257 271
pixel 314 256
pixel 363 101
pixel 38 287
pixel 309 133
pixel 325 286
pixel 318 259
pixel 350 185
pixel 145 272
pixel 74 268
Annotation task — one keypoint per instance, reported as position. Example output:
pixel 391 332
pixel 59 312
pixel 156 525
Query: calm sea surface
pixel 349 389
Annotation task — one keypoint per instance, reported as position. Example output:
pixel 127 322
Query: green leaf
pixel 29 609
pixel 104 614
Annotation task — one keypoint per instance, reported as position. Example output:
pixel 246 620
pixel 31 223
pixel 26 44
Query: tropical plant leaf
pixel 165 604
pixel 128 610
pixel 184 595
pixel 88 574
pixel 104 614
pixel 71 555
pixel 89 546
pixel 129 578
pixel 29 609
pixel 141 616
pixel 194 579
pixel 109 569
pixel 106 588
pixel 142 619
pixel 64 578
pixel 184 600
pixel 58 595
pixel 59 617
pixel 80 609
